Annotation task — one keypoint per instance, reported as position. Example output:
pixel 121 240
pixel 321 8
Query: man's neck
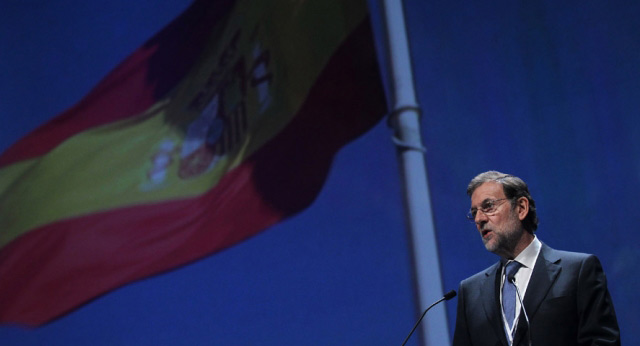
pixel 525 239
pixel 522 244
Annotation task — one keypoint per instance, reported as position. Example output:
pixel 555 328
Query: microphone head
pixel 449 295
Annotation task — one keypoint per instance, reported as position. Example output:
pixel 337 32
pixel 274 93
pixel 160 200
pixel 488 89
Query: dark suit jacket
pixel 567 301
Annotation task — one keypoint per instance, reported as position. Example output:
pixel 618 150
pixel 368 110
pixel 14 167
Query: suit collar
pixel 545 272
pixel 490 290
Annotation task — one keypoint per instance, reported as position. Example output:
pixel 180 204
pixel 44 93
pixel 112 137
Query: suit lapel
pixel 545 272
pixel 490 290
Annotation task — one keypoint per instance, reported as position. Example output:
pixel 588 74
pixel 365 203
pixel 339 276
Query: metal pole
pixel 405 121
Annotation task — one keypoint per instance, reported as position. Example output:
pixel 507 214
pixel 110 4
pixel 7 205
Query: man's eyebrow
pixel 483 202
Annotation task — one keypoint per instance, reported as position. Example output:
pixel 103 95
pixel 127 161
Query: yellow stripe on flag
pixel 257 69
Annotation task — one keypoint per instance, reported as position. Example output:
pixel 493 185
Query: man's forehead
pixel 486 191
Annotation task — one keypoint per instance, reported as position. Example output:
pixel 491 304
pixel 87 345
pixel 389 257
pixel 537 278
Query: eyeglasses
pixel 488 207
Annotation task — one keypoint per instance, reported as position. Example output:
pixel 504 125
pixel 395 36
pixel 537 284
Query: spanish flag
pixel 221 125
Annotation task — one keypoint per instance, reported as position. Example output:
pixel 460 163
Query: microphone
pixel 512 279
pixel 447 296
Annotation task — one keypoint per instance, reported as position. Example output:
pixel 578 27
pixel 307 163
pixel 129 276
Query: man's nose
pixel 481 218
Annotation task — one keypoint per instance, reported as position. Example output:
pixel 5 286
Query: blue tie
pixel 509 292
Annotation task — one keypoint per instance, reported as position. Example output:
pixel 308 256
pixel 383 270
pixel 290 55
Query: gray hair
pixel 513 188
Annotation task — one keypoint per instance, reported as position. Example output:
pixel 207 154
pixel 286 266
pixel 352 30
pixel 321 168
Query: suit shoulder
pixel 569 256
pixel 481 275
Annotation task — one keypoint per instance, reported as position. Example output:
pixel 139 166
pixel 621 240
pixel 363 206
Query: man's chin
pixel 490 245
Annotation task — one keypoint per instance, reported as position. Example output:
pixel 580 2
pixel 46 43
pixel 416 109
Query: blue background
pixel 546 90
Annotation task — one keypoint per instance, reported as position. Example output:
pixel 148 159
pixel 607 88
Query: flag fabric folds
pixel 218 127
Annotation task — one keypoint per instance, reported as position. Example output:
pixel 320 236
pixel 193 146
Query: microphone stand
pixel 447 296
pixel 526 316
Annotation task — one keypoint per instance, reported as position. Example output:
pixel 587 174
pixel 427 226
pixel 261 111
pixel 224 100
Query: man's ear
pixel 523 207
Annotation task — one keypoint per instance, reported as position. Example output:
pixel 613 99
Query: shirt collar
pixel 529 255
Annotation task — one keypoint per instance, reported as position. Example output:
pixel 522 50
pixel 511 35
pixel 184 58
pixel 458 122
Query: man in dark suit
pixel 565 295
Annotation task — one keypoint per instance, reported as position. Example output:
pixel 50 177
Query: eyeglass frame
pixel 490 210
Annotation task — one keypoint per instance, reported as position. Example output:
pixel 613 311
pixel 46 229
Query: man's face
pixel 502 229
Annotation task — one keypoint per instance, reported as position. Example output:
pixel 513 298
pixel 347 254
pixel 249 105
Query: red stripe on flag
pixel 54 269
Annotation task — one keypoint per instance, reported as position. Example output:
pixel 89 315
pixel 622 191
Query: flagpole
pixel 405 122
